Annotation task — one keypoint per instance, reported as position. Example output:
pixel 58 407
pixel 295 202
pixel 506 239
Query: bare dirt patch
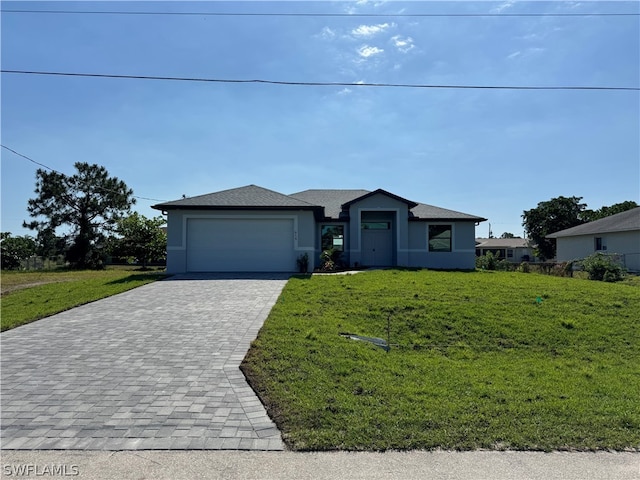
pixel 12 288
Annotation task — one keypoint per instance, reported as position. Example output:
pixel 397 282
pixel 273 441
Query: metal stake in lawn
pixel 388 332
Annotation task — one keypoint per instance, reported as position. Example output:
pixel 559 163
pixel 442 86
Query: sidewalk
pixel 231 465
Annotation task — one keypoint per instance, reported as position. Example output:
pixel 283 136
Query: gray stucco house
pixel 253 229
pixel 617 234
pixel 513 250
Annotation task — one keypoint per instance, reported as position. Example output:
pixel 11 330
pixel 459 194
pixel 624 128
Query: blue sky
pixel 492 153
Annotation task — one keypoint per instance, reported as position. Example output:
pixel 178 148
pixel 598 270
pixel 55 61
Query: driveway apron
pixel 156 367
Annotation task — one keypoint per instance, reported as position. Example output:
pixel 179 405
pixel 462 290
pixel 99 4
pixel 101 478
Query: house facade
pixel 514 250
pixel 253 229
pixel 617 235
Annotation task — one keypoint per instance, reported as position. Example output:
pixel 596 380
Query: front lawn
pixel 29 296
pixel 478 360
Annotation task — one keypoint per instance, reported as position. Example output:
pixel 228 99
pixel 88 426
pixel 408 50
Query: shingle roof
pixel 430 212
pixel 253 196
pixel 620 222
pixel 242 197
pixel 383 192
pixel 331 200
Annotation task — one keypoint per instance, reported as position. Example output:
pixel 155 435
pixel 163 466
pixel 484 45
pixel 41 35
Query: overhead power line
pixel 319 14
pixel 60 173
pixel 319 84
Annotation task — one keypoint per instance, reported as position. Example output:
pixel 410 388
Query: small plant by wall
pixel 303 263
pixel 330 260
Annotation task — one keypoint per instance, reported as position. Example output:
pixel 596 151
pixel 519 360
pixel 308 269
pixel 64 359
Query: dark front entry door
pixel 377 247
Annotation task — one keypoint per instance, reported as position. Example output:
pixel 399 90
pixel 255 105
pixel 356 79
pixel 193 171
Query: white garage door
pixel 240 245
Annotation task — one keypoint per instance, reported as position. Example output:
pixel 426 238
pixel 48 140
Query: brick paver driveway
pixel 151 368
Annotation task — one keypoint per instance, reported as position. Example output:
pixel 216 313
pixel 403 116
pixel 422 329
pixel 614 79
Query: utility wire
pixel 60 173
pixel 30 159
pixel 293 14
pixel 321 84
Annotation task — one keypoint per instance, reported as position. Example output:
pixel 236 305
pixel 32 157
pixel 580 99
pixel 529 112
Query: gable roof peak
pixel 382 192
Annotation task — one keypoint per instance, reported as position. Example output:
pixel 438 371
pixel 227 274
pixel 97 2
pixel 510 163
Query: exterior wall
pixel 381 204
pixel 520 253
pixel 410 239
pixel 304 232
pixel 581 246
pixel 463 251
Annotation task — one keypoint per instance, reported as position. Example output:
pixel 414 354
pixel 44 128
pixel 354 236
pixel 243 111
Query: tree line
pixel 559 214
pixel 96 209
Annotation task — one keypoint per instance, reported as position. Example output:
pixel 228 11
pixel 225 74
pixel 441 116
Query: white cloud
pixel 367 51
pixel 345 91
pixel 370 30
pixel 352 7
pixel 327 33
pixel 528 52
pixel 370 3
pixel 506 5
pixel 403 44
pixel 531 37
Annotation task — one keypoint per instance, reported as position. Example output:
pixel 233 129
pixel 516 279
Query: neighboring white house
pixel 252 229
pixel 514 250
pixel 617 234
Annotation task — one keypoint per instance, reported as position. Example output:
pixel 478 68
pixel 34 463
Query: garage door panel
pixel 235 245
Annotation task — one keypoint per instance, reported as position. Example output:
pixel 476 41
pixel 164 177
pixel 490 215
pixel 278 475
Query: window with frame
pixel 375 225
pixel 440 238
pixel 332 237
pixel 598 244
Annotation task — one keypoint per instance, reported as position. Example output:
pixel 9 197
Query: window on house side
pixel 333 237
pixel 439 238
pixel 598 243
pixel 509 253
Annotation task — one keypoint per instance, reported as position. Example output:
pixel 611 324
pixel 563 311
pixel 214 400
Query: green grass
pixel 29 296
pixel 476 362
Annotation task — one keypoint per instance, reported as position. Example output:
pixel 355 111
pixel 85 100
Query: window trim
pixel 447 226
pixel 339 247
pixel 376 225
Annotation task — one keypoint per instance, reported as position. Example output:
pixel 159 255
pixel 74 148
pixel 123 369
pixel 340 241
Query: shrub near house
pixel 602 267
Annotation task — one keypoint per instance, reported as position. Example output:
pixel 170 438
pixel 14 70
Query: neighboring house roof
pixel 332 201
pixel 620 222
pixel 502 243
pixel 250 196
